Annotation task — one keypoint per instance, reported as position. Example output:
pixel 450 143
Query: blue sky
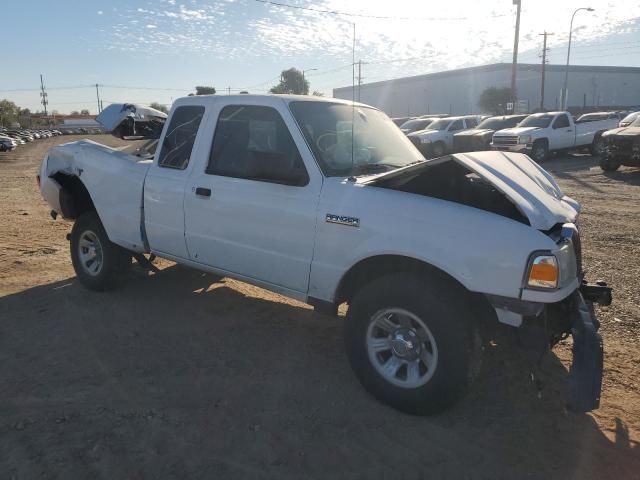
pixel 157 50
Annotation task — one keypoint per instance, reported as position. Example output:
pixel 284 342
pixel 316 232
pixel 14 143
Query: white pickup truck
pixel 328 202
pixel 542 133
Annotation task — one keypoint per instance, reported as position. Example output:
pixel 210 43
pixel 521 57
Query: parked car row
pixel 616 142
pixel 10 138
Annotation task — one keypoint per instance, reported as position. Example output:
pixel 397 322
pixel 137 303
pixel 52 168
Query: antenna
pixel 353 98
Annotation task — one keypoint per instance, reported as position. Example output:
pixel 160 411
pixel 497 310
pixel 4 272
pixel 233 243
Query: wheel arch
pixel 370 268
pixel 75 198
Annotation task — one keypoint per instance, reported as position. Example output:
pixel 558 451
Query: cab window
pixel 561 122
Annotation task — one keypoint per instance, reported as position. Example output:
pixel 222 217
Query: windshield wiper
pixel 374 167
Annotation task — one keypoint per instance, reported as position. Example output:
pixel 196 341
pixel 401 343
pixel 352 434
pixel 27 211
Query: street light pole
pixel 307 70
pixel 565 91
pixel 514 65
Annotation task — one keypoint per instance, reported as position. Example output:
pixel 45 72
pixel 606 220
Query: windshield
pixel 441 124
pixel 377 145
pixel 636 122
pixel 540 121
pixel 593 117
pixel 418 124
pixel 631 117
pixel 498 123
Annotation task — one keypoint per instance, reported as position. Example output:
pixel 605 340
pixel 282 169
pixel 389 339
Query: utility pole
pixel 43 94
pixel 544 64
pixel 229 90
pixel 98 97
pixel 514 65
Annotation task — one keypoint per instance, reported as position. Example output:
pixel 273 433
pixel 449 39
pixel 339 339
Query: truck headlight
pixel 543 272
pixel 524 139
pixel 425 140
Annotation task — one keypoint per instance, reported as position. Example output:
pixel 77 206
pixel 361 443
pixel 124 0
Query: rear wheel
pixel 412 343
pixel 539 151
pixel 96 260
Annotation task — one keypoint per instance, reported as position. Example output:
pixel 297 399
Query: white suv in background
pixel 437 139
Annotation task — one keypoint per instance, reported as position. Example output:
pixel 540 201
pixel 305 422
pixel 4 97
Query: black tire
pixel 597 147
pixel 539 151
pixel 443 307
pixel 114 260
pixel 608 164
pixel 438 150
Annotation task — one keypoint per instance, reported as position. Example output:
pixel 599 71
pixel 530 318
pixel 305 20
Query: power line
pixel 376 17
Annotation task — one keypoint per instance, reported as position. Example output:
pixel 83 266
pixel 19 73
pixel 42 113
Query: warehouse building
pixel 458 91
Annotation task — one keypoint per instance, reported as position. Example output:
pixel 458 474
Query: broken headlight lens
pixel 543 272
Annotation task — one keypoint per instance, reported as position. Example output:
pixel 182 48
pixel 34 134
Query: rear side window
pixel 561 122
pixel 471 122
pixel 181 134
pixel 253 142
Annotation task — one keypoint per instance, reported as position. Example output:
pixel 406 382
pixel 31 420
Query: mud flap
pixel 585 379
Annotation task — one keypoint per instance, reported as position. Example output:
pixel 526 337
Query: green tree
pixel 292 81
pixel 74 112
pixel 159 106
pixel 84 111
pixel 494 100
pixel 316 93
pixel 9 112
pixel 200 90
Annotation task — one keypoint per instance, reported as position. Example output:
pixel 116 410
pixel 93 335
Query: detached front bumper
pixel 545 325
pixel 585 378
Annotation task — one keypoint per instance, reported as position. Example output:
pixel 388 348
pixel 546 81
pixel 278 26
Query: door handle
pixel 569 130
pixel 203 192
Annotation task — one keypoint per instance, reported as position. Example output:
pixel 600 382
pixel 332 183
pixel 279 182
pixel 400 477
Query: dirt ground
pixel 184 375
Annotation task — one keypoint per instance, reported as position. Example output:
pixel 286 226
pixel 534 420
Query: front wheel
pixel 438 150
pixel 597 148
pixel 412 342
pixel 608 164
pixel 96 260
pixel 539 151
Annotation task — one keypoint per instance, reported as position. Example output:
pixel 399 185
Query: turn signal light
pixel 544 272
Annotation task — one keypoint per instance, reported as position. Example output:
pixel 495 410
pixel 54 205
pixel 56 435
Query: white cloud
pixel 454 34
pixel 100 12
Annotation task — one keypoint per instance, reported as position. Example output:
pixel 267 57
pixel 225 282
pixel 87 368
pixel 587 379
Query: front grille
pixel 620 145
pixel 505 140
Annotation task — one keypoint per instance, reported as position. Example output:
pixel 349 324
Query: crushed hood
pixel 530 188
pixel 132 122
pixel 624 131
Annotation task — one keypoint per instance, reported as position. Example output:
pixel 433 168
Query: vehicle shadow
pixel 182 374
pixel 626 174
